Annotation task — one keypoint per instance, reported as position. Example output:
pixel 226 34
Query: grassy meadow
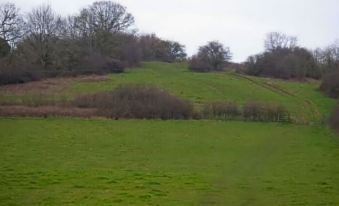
pixel 70 161
pixel 130 162
pixel 302 99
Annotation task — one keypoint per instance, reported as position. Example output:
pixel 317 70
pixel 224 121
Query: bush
pixel 140 102
pixel 17 72
pixel 96 63
pixel 334 119
pixel 156 49
pixel 255 111
pixel 330 84
pixel 251 111
pixel 284 63
pixel 196 64
pixel 221 110
pixel 211 57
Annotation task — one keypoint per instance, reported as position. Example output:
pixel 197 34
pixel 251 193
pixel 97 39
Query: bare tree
pixel 43 27
pixel 84 24
pixel 211 57
pixel 11 23
pixel 333 51
pixel 107 16
pixel 215 54
pixel 73 28
pixel 328 58
pixel 176 51
pixel 276 40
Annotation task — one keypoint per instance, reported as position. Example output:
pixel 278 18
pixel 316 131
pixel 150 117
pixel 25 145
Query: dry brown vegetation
pixel 129 102
pixel 47 111
pixel 221 110
pixel 251 111
pixel 257 111
pixel 48 86
pixel 141 102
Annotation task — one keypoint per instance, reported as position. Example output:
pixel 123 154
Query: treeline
pixel 284 58
pixel 330 84
pixel 99 39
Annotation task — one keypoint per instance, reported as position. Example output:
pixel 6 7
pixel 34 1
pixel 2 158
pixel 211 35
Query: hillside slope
pixel 302 99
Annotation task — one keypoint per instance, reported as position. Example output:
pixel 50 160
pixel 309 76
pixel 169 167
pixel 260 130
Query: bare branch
pixel 276 40
pixel 11 23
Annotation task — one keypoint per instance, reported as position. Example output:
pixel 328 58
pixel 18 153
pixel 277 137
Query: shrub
pixel 140 102
pixel 255 111
pixel 156 49
pixel 334 119
pixel 330 84
pixel 17 72
pixel 196 64
pixel 221 110
pixel 284 63
pixel 91 63
pixel 211 57
pixel 251 111
pixel 96 63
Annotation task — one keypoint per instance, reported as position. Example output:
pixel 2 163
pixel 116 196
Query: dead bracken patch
pixel 44 86
pixel 93 78
pixel 45 111
pixel 49 86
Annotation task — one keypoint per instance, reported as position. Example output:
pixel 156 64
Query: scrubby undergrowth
pixel 334 119
pixel 141 102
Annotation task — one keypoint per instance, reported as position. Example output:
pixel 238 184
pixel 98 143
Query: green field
pixel 104 162
pixel 303 99
pixel 67 161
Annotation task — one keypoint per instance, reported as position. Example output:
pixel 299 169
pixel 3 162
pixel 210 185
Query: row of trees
pixel 329 62
pixel 283 58
pixel 99 39
pixel 330 84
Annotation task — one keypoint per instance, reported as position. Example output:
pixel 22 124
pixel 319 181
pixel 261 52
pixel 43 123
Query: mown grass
pixel 102 162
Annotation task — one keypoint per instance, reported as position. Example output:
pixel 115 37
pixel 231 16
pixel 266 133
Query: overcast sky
pixel 239 24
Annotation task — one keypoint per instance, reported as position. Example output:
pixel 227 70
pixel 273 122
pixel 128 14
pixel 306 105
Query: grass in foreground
pixel 100 162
